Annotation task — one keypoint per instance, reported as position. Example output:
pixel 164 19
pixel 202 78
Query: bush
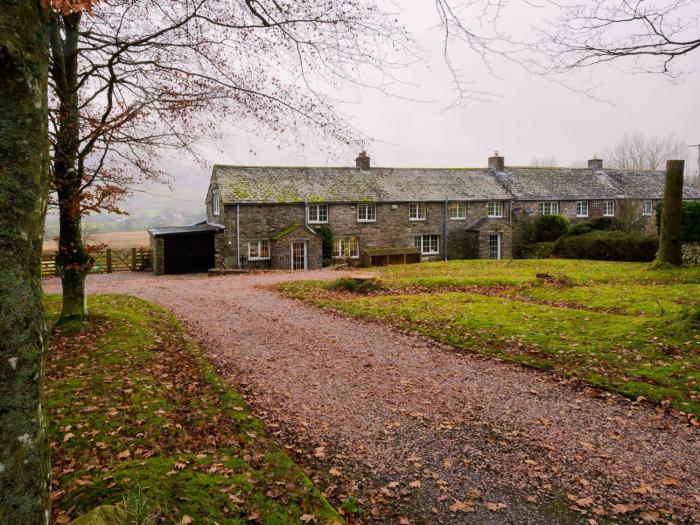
pixel 539 250
pixel 608 246
pixel 599 224
pixel 349 284
pixel 326 244
pixel 548 228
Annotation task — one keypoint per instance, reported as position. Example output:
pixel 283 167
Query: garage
pixel 184 249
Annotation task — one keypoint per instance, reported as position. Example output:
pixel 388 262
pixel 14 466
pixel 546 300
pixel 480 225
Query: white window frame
pixel 343 247
pixel 606 213
pixel 549 208
pixel 258 249
pixel 215 204
pixel 317 213
pixel 366 212
pixel 460 207
pixel 494 209
pixel 417 211
pixel 430 240
pixel 579 208
pixel 650 212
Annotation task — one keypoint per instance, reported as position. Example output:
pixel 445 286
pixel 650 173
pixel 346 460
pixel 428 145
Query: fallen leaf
pixel 335 471
pixel 307 518
pixel 126 454
pixel 642 489
pixel 462 506
pixel 186 520
pixel 649 516
pixel 584 502
pixel 414 484
pixel 493 507
pixel 670 482
pixel 68 436
pixel 404 521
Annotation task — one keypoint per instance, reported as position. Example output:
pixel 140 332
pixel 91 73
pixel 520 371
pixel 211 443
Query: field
pixel 623 327
pixel 114 240
pixel 139 418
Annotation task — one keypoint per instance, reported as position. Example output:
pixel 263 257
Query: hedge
pixel 548 228
pixel 539 250
pixel 608 246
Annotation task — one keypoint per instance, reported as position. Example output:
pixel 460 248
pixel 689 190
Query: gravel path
pixel 420 433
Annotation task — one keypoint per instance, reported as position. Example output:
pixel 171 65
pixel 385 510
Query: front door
pixel 494 246
pixel 299 255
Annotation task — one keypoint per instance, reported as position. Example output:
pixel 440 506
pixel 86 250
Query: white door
pixel 299 255
pixel 495 246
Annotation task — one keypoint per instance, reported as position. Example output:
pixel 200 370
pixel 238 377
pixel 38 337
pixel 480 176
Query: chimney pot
pixel 362 161
pixel 595 163
pixel 497 162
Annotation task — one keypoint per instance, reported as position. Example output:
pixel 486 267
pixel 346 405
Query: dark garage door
pixel 189 253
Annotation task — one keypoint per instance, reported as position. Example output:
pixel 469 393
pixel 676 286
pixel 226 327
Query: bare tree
pixel 544 162
pixel 640 152
pixel 141 78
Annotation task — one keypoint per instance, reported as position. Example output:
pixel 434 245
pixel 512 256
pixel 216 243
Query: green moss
pixel 289 229
pixel 131 381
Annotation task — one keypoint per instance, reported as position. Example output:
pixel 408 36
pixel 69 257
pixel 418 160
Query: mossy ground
pixel 625 327
pixel 137 415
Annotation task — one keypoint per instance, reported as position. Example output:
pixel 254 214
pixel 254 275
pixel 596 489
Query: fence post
pixel 109 260
pixel 133 259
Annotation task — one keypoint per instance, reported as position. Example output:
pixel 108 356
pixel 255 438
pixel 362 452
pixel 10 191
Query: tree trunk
pixel 24 163
pixel 670 243
pixel 72 258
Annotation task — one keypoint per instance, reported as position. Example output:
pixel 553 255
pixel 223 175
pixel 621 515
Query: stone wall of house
pixel 158 250
pixel 495 227
pixel 281 250
pixel 392 228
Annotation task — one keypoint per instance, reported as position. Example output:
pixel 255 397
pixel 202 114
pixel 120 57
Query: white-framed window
pixel 457 210
pixel 648 208
pixel 608 208
pixel 215 202
pixel 428 244
pixel 317 213
pixel 366 213
pixel 549 208
pixel 494 209
pixel 581 208
pixel 259 250
pixel 416 211
pixel 346 247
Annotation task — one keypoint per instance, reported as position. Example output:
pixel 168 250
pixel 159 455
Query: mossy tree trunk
pixel 24 163
pixel 670 243
pixel 72 258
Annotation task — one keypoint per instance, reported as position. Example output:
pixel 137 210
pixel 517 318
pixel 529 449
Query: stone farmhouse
pixel 273 217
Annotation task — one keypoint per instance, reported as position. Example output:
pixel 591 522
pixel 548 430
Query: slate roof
pixel 278 185
pixel 200 227
pixel 264 184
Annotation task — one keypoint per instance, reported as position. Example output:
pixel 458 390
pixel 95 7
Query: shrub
pixel 548 228
pixel 326 244
pixel 349 284
pixel 599 224
pixel 539 250
pixel 608 246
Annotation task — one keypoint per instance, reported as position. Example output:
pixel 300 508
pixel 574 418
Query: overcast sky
pixel 527 118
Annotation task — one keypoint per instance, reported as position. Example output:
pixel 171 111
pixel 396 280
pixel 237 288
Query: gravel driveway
pixel 420 433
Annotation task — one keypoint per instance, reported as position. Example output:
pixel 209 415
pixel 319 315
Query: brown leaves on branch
pixel 67 7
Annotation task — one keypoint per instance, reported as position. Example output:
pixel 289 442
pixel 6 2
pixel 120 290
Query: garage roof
pixel 200 227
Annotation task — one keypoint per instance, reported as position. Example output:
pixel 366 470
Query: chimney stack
pixel 362 161
pixel 497 163
pixel 595 163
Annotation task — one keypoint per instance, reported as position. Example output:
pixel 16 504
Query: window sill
pixel 430 253
pixel 317 222
pixel 581 216
pixel 494 216
pixel 364 220
pixel 346 256
pixel 458 218
pixel 416 220
pixel 258 258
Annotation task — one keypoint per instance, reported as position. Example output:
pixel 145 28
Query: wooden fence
pixel 107 261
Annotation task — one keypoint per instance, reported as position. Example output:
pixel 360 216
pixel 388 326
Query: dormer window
pixel 215 202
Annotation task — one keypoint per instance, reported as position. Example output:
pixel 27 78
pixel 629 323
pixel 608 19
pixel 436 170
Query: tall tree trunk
pixel 72 259
pixel 670 243
pixel 24 163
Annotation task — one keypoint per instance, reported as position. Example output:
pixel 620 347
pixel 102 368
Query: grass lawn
pixel 138 417
pixel 620 326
